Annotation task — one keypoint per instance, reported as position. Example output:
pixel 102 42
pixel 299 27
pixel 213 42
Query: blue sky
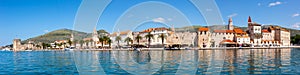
pixel 29 18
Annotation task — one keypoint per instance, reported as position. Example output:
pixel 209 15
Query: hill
pixel 61 34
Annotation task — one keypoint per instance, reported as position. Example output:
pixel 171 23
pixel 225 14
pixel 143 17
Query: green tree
pixel 59 45
pixel 138 38
pixel 149 37
pixel 55 44
pixel 109 42
pixel 118 39
pixel 38 46
pixel 128 39
pixel 105 40
pixel 70 42
pixel 101 39
pixel 162 36
pixel 44 45
pixel 295 39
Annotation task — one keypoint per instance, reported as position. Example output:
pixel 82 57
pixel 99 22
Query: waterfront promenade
pixel 215 48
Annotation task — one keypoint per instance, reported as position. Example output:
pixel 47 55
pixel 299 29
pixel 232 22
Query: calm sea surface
pixel 240 61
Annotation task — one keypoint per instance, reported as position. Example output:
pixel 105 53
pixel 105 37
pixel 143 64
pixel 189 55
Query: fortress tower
pixel 230 24
pixel 16 44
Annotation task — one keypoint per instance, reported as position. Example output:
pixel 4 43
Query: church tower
pixel 230 24
pixel 95 35
pixel 249 20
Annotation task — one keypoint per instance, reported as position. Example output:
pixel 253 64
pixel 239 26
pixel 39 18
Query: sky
pixel 30 18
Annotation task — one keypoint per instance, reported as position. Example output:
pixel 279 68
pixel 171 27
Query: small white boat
pixel 137 49
pixel 69 49
pixel 28 50
pixel 6 49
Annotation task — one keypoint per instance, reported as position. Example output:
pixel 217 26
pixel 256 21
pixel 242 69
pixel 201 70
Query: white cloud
pixel 46 31
pixel 232 15
pixel 296 25
pixel 275 3
pixel 159 19
pixel 295 15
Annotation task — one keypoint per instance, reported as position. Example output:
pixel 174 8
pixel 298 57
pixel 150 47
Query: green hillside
pixel 61 34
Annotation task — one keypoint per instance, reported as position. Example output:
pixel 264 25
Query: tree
pixel 81 41
pixel 149 37
pixel 59 45
pixel 102 31
pixel 101 39
pixel 109 42
pixel 106 40
pixel 295 39
pixel 128 39
pixel 70 42
pixel 162 36
pixel 38 46
pixel 118 38
pixel 64 44
pixel 45 45
pixel 55 44
pixel 138 38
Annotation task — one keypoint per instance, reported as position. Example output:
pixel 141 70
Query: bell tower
pixel 230 24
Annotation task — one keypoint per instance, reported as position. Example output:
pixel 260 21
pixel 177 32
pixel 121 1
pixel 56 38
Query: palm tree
pixel 162 36
pixel 101 39
pixel 70 42
pixel 149 36
pixel 106 39
pixel 109 42
pixel 64 44
pixel 118 38
pixel 128 39
pixel 55 44
pixel 59 45
pixel 138 38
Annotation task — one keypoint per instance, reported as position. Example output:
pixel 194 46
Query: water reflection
pixel 240 61
pixel 245 61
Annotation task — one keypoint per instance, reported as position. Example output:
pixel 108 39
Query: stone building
pixel 156 32
pixel 241 37
pixel 123 35
pixel 222 38
pixel 204 37
pixel 16 44
pixel 30 45
pixel 254 31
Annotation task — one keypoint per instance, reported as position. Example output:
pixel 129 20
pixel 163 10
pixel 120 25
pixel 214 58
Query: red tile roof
pixel 203 29
pixel 151 29
pixel 227 41
pixel 265 31
pixel 223 31
pixel 238 30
